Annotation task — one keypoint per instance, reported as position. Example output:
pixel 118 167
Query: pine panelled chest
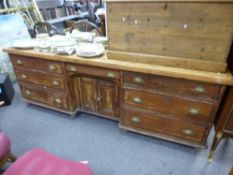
pixel 189 34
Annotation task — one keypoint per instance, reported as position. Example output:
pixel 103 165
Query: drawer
pixel 41 79
pixel 176 107
pixel 106 73
pixel 45 97
pixel 174 86
pixel 154 123
pixel 37 64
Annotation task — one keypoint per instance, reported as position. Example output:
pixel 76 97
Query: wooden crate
pixel 196 35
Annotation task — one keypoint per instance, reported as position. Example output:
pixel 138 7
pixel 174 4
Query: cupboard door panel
pixel 107 98
pixel 88 94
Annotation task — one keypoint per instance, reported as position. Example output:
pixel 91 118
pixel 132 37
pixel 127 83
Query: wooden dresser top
pixel 104 62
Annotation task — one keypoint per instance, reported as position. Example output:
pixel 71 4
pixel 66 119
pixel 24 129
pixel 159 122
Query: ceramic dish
pixel 24 44
pixel 89 50
pixel 83 36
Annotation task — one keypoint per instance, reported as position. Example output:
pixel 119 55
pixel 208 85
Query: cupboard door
pixel 88 93
pixel 107 98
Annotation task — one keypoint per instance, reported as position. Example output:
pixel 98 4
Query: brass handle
pixel 188 132
pixel 110 74
pixel 56 83
pixel 2 103
pixel 138 80
pixel 194 111
pixel 98 99
pixel 199 89
pixel 58 100
pixel 19 62
pixel 23 76
pixel 137 100
pixel 28 92
pixel 135 119
pixel 52 67
pixel 73 68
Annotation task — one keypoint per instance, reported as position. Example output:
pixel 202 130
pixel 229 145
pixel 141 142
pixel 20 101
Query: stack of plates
pixel 89 50
pixel 86 37
pixel 62 45
pixel 101 40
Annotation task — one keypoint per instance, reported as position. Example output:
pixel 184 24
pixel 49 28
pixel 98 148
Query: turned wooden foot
pixel 217 138
pixel 12 157
pixel 231 171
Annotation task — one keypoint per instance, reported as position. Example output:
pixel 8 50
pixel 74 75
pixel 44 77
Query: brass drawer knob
pixel 2 103
pixel 199 89
pixel 135 120
pixel 188 132
pixel 58 100
pixel 194 111
pixel 98 99
pixel 19 62
pixel 110 75
pixel 56 83
pixel 28 92
pixel 72 68
pixel 138 80
pixel 52 67
pixel 23 76
pixel 137 100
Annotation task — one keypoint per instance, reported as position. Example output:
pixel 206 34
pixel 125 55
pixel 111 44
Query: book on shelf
pixel 57 12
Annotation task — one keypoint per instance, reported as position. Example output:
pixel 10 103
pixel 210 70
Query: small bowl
pixel 45 48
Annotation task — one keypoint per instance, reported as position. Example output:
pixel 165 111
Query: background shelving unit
pixel 28 9
pixel 57 12
pixel 61 19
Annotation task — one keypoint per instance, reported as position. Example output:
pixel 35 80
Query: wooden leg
pixel 12 157
pixel 9 157
pixel 231 171
pixel 217 138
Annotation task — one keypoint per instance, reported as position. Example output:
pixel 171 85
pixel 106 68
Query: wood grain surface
pixel 104 62
pixel 185 34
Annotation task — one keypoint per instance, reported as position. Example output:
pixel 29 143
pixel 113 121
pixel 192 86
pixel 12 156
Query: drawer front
pixel 37 64
pixel 168 85
pixel 106 73
pixel 45 97
pixel 41 79
pixel 177 107
pixel 155 123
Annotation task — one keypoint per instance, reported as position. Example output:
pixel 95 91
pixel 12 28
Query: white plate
pixel 64 43
pixel 101 39
pixel 83 36
pixel 89 50
pixel 24 44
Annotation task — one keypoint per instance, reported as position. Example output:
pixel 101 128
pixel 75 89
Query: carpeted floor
pixel 109 150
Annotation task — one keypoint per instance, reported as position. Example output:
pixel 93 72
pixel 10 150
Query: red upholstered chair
pixel 5 150
pixel 40 162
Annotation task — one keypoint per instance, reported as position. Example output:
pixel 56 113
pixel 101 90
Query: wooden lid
pixel 168 1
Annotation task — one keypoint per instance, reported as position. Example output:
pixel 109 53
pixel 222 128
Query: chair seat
pixel 5 145
pixel 40 162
